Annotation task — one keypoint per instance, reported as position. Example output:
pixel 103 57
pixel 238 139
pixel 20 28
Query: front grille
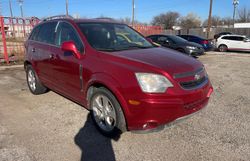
pixel 194 83
pixel 187 74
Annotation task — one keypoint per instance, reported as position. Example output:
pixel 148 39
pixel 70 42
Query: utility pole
pixel 21 7
pixel 67 8
pixel 0 8
pixel 10 6
pixel 209 23
pixel 133 12
pixel 235 3
pixel 11 20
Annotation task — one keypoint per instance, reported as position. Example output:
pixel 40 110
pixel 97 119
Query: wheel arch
pixel 26 63
pixel 222 45
pixel 108 82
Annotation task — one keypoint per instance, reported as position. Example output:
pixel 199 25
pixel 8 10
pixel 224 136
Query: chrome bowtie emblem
pixel 197 77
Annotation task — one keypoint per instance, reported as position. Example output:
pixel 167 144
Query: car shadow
pixel 94 146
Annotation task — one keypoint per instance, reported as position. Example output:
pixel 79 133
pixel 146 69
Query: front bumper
pixel 195 52
pixel 167 125
pixel 155 113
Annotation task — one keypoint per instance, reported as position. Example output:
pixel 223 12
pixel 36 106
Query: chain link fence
pixel 13 33
pixel 202 31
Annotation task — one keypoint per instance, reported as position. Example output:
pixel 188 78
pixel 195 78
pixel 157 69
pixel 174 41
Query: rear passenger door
pixel 68 71
pixel 235 42
pixel 41 51
pixel 242 44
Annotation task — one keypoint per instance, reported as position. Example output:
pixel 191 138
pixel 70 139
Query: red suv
pixel 122 78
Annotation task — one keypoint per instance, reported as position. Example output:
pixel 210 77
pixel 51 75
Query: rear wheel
pixel 33 82
pixel 106 113
pixel 223 48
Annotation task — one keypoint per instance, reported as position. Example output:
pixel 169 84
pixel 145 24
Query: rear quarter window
pixel 34 33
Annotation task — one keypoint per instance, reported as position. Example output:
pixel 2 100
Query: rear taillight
pixel 204 42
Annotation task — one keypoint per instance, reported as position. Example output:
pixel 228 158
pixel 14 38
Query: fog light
pixel 134 102
pixel 150 125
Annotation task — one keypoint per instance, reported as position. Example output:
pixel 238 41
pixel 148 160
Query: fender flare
pixel 109 82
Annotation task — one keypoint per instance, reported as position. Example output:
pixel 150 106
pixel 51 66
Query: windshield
pixel 176 38
pixel 113 37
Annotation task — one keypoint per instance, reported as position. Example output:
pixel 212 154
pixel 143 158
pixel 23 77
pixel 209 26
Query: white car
pixel 233 42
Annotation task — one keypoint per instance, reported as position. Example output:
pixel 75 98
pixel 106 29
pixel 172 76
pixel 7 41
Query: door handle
pixel 51 56
pixel 33 50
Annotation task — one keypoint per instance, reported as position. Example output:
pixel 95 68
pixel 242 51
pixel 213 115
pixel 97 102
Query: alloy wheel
pixel 104 112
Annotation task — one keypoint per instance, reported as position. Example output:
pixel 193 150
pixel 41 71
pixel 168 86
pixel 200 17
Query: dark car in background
pixel 178 43
pixel 205 43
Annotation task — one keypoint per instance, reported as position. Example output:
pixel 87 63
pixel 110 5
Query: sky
pixel 145 10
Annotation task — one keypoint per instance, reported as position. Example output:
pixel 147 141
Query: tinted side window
pixel 47 33
pixel 153 38
pixel 162 39
pixel 239 38
pixel 65 32
pixel 35 33
pixel 227 38
pixel 186 37
pixel 234 38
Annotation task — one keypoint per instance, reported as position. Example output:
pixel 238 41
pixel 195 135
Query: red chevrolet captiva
pixel 125 82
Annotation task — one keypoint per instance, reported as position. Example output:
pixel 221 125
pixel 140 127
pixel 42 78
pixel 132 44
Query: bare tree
pixel 190 21
pixel 227 21
pixel 168 20
pixel 244 15
pixel 216 21
pixel 125 20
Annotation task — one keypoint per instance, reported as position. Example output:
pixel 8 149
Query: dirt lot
pixel 50 127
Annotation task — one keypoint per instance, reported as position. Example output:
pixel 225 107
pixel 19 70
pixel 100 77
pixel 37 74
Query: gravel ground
pixel 49 127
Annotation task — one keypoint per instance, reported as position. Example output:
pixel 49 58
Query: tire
pixel 223 48
pixel 181 50
pixel 34 84
pixel 109 119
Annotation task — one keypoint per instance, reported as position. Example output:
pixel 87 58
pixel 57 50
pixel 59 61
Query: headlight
pixel 153 83
pixel 191 47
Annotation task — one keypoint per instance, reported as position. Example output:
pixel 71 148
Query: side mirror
pixel 166 42
pixel 71 47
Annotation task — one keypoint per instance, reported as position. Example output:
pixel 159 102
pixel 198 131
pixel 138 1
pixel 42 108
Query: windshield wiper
pixel 134 46
pixel 108 49
pixel 138 46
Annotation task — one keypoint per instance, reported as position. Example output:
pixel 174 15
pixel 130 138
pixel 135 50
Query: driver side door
pixel 68 68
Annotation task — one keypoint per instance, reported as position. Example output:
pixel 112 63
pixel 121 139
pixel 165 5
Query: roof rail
pixel 105 19
pixel 57 17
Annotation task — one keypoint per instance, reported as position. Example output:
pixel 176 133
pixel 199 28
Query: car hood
pixel 168 60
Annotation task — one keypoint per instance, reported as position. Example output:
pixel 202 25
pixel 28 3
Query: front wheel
pixel 107 113
pixel 223 48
